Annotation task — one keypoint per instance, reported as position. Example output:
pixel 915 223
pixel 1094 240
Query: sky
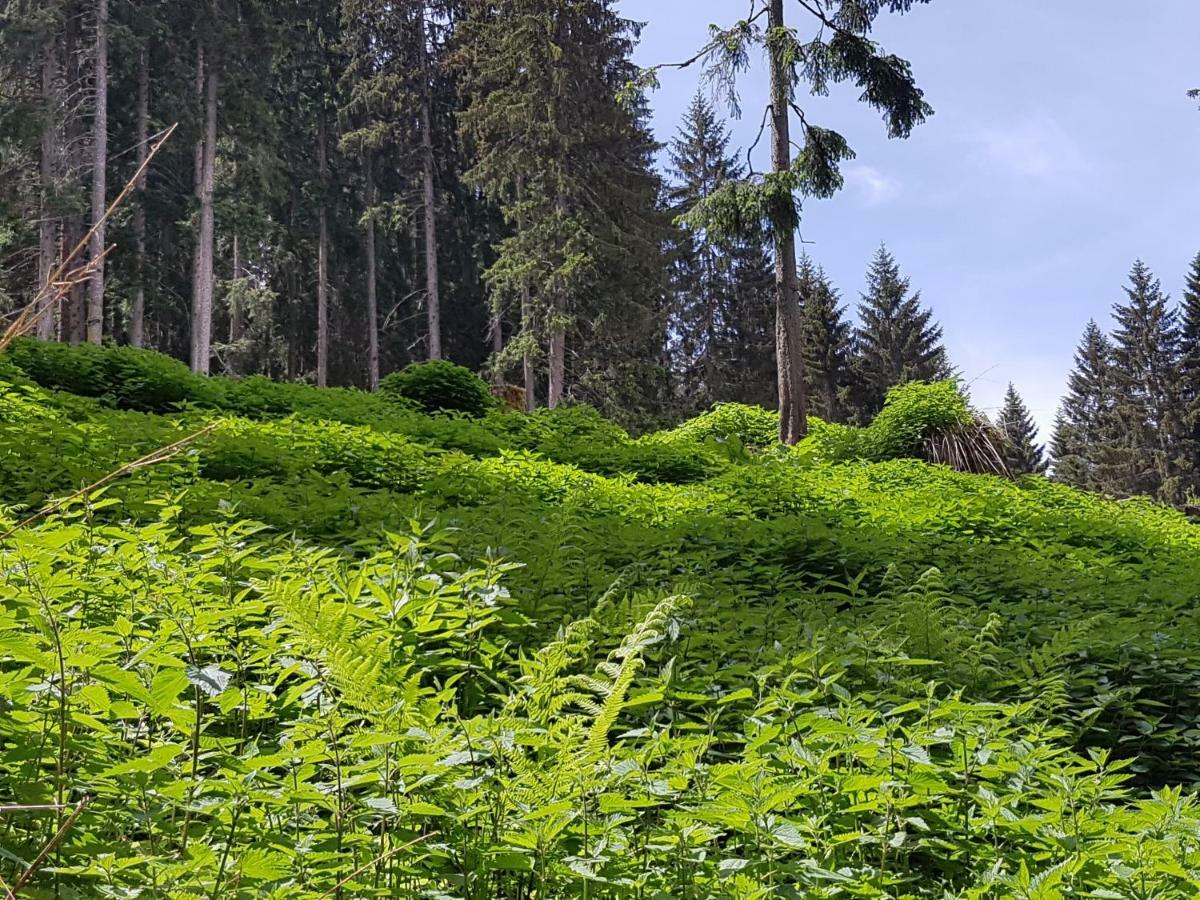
pixel 1063 147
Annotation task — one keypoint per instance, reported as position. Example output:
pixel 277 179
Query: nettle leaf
pixel 212 679
pixel 264 865
pixel 158 758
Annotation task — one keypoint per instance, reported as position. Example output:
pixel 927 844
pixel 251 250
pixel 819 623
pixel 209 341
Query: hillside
pixel 339 645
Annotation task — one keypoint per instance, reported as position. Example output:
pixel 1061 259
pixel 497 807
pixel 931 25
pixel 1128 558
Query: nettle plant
pixel 245 715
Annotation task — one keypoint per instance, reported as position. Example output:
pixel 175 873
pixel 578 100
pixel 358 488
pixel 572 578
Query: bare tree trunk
pixel 197 187
pixel 202 307
pixel 73 322
pixel 236 313
pixel 558 354
pixel 137 314
pixel 47 229
pixel 372 296
pixel 432 292
pixel 95 306
pixel 322 263
pixel 793 413
pixel 527 367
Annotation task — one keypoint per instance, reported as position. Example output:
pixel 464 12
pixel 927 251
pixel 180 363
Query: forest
pixel 418 480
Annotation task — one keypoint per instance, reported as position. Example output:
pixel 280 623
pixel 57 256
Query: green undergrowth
pixel 387 653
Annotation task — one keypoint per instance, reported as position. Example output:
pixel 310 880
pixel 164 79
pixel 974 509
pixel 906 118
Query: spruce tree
pixel 1025 455
pixel 897 341
pixel 1084 424
pixel 827 344
pixel 838 49
pixel 1146 410
pixel 572 169
pixel 720 342
pixel 1188 387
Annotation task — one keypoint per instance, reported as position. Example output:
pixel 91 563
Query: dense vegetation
pixel 340 645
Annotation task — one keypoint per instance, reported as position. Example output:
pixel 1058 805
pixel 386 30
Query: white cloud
pixel 1035 147
pixel 874 187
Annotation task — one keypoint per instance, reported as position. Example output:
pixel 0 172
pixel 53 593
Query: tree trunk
pixel 372 296
pixel 47 229
pixel 137 314
pixel 527 331
pixel 322 262
pixel 202 307
pixel 432 293
pixel 73 322
pixel 558 354
pixel 197 188
pixel 793 414
pixel 236 313
pixel 95 306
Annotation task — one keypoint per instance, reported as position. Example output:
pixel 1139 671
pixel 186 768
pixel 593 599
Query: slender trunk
pixel 793 414
pixel 137 314
pixel 527 357
pixel 197 187
pixel 432 293
pixel 558 357
pixel 527 331
pixel 236 313
pixel 322 262
pixel 47 230
pixel 95 306
pixel 74 317
pixel 372 296
pixel 203 306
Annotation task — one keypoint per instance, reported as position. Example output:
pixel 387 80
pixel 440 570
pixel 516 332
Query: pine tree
pixel 1188 388
pixel 720 341
pixel 1025 455
pixel 1084 424
pixel 827 344
pixel 897 341
pixel 1146 409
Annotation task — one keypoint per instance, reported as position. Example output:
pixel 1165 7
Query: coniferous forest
pixel 418 479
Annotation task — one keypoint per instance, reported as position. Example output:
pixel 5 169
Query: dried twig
pixel 49 848
pixel 162 454
pixel 67 276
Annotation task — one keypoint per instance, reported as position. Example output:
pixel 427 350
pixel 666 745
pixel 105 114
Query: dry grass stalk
pixel 69 274
pixel 48 849
pixel 162 454
pixel 977 448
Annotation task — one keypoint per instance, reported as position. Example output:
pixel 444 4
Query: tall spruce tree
pixel 827 344
pixel 571 168
pixel 897 340
pixel 1146 411
pixel 840 50
pixel 719 337
pixel 1188 390
pixel 1084 424
pixel 1025 455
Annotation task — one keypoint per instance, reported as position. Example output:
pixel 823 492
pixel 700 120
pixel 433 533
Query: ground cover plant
pixel 405 654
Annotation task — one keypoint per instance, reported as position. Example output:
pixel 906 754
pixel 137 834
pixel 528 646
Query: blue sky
pixel 1063 148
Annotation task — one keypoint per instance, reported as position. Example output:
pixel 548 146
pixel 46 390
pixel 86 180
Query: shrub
pixel 753 426
pixel 125 377
pixel 911 413
pixel 440 386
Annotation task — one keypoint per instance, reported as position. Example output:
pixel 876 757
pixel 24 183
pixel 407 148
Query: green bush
pixel 911 412
pixel 125 377
pixel 754 427
pixel 440 386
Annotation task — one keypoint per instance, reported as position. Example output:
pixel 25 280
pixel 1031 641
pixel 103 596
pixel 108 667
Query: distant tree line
pixel 358 184
pixel 1130 422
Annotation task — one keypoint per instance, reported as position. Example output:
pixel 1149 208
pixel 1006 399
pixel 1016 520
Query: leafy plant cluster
pixel 791 674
